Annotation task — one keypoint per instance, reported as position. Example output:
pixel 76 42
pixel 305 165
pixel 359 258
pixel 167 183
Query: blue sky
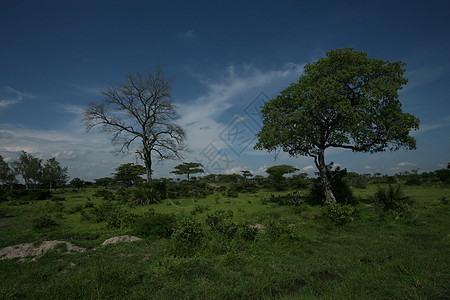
pixel 226 58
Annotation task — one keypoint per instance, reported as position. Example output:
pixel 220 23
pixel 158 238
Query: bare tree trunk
pixel 329 196
pixel 148 165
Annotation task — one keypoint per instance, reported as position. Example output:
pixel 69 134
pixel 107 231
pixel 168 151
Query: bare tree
pixel 140 110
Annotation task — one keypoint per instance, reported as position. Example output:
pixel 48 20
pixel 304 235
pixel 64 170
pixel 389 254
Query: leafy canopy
pixel 344 100
pixel 188 168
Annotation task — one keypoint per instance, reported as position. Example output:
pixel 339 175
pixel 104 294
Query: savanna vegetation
pixel 231 237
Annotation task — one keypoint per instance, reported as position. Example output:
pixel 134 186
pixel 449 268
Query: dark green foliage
pixel 188 234
pixel 145 194
pixel 113 215
pixel 118 218
pixel 222 222
pixel 357 180
pixel 338 213
pixel 3 195
pixel 443 175
pixel 392 198
pixel 413 179
pixel 155 224
pixel 341 189
pixel 105 194
pixel 54 207
pixel 29 195
pixel 45 221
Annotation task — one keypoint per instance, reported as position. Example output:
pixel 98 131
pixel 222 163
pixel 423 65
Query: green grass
pixel 301 255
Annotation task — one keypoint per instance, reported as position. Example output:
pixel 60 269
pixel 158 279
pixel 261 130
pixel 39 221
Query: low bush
pixel 155 224
pixel 45 221
pixel 187 233
pixel 105 194
pixel 338 213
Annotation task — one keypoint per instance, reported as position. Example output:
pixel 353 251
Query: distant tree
pixel 345 100
pixel 77 182
pixel 29 167
pixel 188 169
pixel 129 174
pixel 140 110
pixel 276 173
pixel 247 174
pixel 53 174
pixel 7 175
pixel 105 181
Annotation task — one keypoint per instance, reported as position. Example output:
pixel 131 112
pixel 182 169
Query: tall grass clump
pixel 392 199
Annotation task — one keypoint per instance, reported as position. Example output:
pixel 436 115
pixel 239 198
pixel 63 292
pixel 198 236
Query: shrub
pixel 107 195
pixel 118 218
pixel 54 207
pixel 155 224
pixel 392 199
pixel 338 213
pixel 44 222
pixel 188 233
pixel 248 233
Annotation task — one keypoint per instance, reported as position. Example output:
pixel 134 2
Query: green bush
pixel 248 233
pixel 155 224
pixel 44 222
pixel 105 194
pixel 392 199
pixel 118 218
pixel 338 213
pixel 188 233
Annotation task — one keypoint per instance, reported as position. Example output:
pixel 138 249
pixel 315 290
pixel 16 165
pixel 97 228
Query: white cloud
pixel 236 170
pixel 10 96
pixel 308 168
pixel 237 86
pixel 407 164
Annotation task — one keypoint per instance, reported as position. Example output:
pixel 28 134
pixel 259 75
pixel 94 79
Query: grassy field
pixel 300 255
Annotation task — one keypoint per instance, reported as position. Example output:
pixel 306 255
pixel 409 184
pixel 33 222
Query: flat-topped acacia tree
pixel 188 169
pixel 140 111
pixel 344 100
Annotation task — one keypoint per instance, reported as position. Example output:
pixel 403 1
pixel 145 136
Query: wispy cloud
pixel 206 116
pixel 10 96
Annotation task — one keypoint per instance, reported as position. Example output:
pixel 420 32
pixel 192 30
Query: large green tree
pixel 344 100
pixel 129 174
pixel 53 174
pixel 29 167
pixel 188 169
pixel 276 173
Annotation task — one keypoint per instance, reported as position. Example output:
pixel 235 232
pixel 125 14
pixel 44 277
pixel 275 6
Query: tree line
pixel 33 171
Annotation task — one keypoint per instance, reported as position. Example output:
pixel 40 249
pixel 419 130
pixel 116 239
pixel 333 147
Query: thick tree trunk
pixel 329 196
